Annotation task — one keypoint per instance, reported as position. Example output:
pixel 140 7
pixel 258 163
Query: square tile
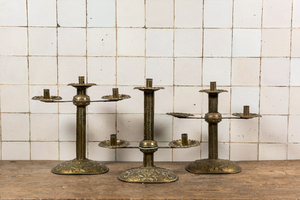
pixel 44 150
pixel 100 154
pixel 15 151
pixel 293 151
pixel 72 41
pixel 164 100
pixel 66 93
pixel 101 13
pixel 125 124
pixel 15 127
pixel 42 41
pixel 159 42
pixel 273 129
pixel 163 155
pixel 223 151
pixel 276 42
pixel 193 127
pixel 245 96
pixel 295 72
pixel 131 71
pixel 42 70
pixel 275 71
pixel 295 43
pixel 69 68
pixel 216 69
pixel 243 151
pixel 218 13
pixel 246 43
pixel 132 155
pixel 296 14
pixel 67 127
pixel 187 100
pixel 160 70
pixel 186 154
pixel 294 100
pixel 130 13
pixel 188 42
pixel 159 13
pixel 44 127
pixel 245 71
pixel 71 13
pixel 244 130
pixel 13 70
pixel 131 42
pixel 277 13
pixel 101 42
pixel 100 126
pixel 272 151
pixel 247 13
pixel 188 13
pixel 162 128
pixel 37 106
pixel 274 100
pixel 223 131
pixel 13 41
pixel 294 131
pixel 217 42
pixel 14 98
pixel 42 13
pixel 188 71
pixel 101 71
pixel 13 13
pixel 67 150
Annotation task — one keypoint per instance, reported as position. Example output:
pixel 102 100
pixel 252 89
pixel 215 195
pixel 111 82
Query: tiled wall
pixel 250 47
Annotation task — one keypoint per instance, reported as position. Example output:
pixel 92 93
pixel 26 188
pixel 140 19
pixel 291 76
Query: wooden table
pixel 263 179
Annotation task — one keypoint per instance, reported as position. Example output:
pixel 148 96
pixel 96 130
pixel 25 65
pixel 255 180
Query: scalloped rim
pixel 241 115
pixel 121 97
pixel 174 145
pixel 106 144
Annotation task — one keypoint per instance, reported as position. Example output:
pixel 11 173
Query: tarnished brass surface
pixel 120 97
pixel 148 175
pixel 213 118
pixel 86 166
pixel 211 166
pixel 51 99
pixel 180 115
pixel 120 144
pixel 250 116
pixel 178 144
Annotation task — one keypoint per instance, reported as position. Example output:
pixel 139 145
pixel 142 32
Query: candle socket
pixel 46 94
pixel 246 111
pixel 113 140
pixel 115 93
pixel 184 138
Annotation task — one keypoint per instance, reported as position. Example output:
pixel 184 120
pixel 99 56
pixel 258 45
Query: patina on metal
pixel 184 142
pixel 79 165
pixel 114 143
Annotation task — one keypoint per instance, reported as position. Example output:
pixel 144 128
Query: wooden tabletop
pixel 258 180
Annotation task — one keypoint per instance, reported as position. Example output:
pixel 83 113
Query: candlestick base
pixel 85 167
pixel 148 175
pixel 212 166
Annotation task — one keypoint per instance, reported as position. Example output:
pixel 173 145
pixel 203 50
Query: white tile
pixel 44 150
pixel 243 151
pixel 187 99
pixel 101 13
pixel 67 150
pixel 277 13
pixel 100 154
pixel 217 42
pixel 163 155
pixel 294 128
pixel 191 126
pixel 13 13
pixel 274 100
pixel 13 41
pixel 246 42
pixel 218 13
pixel 247 13
pixel 294 100
pixel 276 42
pixel 272 151
pixel 44 127
pixel 162 128
pixel 71 13
pixel 296 14
pixel 223 103
pixel 244 130
pixel 131 42
pixel 164 100
pixel 14 98
pixel 100 126
pixel 72 41
pixel 223 151
pixel 160 70
pixel 13 70
pixel 188 13
pixel 245 71
pixel 293 151
pixel 130 13
pixel 216 69
pixel 131 71
pixel 101 71
pixel 37 106
pixel 295 72
pixel 67 127
pixel 295 43
pixel 15 127
pixel 188 71
pixel 130 127
pixel 159 13
pixel 66 93
pixel 42 70
pixel 243 96
pixel 15 151
pixel 186 154
pixel 132 155
pixel 275 71
pixel 69 68
pixel 101 42
pixel 273 129
pixel 42 41
pixel 188 42
pixel 223 131
pixel 42 13
pixel 159 42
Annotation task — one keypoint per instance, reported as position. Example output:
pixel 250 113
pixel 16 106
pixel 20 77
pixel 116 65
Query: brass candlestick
pixel 214 165
pixel 80 165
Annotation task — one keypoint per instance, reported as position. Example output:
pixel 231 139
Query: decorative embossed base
pixel 87 167
pixel 207 166
pixel 148 175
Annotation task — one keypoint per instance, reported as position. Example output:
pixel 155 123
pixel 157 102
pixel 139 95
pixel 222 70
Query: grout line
pixel 116 69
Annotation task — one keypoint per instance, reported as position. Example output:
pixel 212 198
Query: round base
pixel 85 167
pixel 207 166
pixel 148 175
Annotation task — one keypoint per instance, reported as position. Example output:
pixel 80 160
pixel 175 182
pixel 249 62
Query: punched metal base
pixel 84 167
pixel 211 166
pixel 148 175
